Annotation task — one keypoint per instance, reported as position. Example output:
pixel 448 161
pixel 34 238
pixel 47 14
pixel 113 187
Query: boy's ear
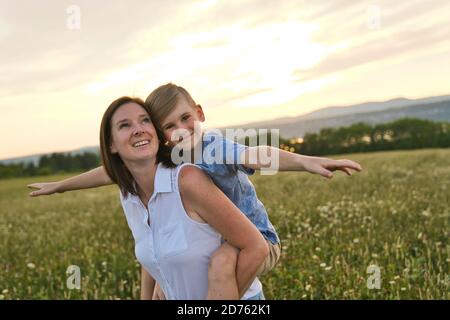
pixel 200 113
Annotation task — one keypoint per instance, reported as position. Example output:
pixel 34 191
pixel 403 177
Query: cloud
pixel 401 43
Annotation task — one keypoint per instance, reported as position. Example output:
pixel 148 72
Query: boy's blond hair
pixel 162 101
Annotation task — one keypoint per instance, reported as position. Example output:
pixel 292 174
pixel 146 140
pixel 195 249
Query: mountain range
pixel 432 108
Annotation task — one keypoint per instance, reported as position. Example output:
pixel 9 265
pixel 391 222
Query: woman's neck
pixel 144 175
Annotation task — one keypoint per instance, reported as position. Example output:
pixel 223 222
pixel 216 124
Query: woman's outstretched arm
pixel 203 197
pixel 94 178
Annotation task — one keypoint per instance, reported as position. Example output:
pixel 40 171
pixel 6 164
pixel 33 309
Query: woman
pixel 178 216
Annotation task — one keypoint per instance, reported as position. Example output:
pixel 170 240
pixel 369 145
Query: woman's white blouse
pixel 171 246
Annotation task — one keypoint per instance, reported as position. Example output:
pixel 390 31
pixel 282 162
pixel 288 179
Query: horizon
pixel 231 126
pixel 257 61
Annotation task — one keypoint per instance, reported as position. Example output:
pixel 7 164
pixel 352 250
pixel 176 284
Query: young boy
pixel 176 117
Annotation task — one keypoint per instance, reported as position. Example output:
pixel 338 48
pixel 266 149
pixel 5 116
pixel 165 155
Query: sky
pixel 63 62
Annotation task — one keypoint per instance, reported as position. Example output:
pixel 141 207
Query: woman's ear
pixel 112 148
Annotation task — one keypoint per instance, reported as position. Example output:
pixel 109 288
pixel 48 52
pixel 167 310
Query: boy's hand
pixel 158 294
pixel 325 166
pixel 44 188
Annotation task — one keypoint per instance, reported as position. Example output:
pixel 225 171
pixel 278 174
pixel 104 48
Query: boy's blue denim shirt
pixel 232 178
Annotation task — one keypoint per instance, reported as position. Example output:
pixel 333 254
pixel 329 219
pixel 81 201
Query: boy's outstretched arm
pixel 262 157
pixel 94 178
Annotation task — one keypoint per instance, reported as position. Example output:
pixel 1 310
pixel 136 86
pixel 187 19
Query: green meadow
pixel 395 215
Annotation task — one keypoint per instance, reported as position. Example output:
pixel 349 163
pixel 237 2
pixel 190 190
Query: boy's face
pixel 182 126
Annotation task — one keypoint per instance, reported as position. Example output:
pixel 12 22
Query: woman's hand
pixel 44 188
pixel 325 166
pixel 158 294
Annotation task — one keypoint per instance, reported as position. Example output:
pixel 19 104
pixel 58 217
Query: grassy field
pixel 395 215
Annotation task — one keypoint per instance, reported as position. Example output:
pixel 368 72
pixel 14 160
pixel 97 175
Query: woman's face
pixel 133 134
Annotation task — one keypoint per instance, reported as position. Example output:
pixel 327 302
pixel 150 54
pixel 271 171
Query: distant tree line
pixel 51 164
pixel 407 133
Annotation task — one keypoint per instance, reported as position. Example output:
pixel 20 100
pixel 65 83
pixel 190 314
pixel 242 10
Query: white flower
pixel 392 282
pixel 31 265
pixel 356 240
pixel 403 289
pixel 2 297
pixel 426 213
pixel 104 264
pixel 317 249
pixel 323 264
pixel 328 268
pixel 5 291
pixel 307 287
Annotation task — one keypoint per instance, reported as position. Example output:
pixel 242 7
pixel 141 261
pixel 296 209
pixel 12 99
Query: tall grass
pixel 394 215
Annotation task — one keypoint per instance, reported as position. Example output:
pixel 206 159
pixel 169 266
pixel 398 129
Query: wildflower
pixel 392 282
pixel 308 287
pixel 2 297
pixel 328 268
pixel 323 264
pixel 31 265
pixel 5 291
pixel 317 249
pixel 426 213
pixel 356 240
pixel 403 289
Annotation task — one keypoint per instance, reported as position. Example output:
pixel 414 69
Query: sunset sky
pixel 242 60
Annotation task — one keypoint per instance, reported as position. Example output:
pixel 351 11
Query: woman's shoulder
pixel 189 171
pixel 191 178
